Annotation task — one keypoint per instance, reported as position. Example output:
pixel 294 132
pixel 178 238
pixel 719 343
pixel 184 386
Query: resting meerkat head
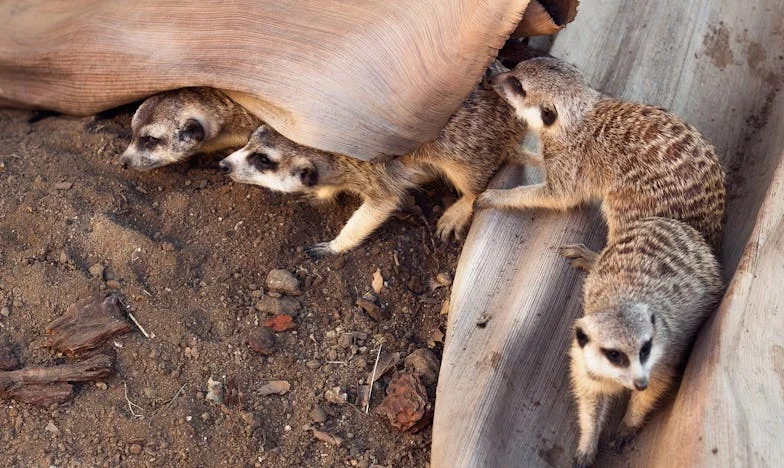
pixel 549 95
pixel 168 128
pixel 273 161
pixel 619 345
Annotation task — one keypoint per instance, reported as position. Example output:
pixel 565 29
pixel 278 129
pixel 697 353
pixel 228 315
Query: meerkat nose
pixel 124 164
pixel 640 384
pixel 225 167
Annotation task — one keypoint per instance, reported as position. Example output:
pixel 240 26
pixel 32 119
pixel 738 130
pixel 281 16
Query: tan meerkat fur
pixel 638 160
pixel 645 297
pixel 172 126
pixel 467 152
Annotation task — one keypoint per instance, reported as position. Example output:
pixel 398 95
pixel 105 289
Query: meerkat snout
pixel 225 167
pixel 641 383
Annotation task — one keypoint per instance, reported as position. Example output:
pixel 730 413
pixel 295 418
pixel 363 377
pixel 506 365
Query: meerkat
pixel 467 152
pixel 172 126
pixel 638 160
pixel 645 297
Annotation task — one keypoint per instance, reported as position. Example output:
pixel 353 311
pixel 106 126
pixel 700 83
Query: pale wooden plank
pixel 359 77
pixel 667 53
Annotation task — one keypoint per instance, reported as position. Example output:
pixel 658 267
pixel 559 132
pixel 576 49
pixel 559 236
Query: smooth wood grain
pixel 503 397
pixel 359 77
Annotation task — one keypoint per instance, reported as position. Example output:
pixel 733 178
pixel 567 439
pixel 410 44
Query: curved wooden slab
pixel 359 77
pixel 503 390
pixel 503 395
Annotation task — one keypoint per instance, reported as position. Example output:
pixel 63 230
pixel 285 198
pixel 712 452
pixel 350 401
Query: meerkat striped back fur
pixel 638 160
pixel 645 297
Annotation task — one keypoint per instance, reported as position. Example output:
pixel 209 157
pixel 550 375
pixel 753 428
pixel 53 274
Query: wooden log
pixel 363 78
pixel 42 395
pixel 92 368
pixel 503 397
pixel 729 410
pixel 86 325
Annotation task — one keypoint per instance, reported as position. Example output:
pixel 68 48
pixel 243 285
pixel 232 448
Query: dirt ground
pixel 189 251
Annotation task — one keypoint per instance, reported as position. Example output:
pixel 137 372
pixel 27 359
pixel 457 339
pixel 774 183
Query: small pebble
pixel 167 247
pixel 283 281
pixel 318 415
pixel 261 340
pixel 278 305
pixel 63 186
pixel 5 312
pixel 101 385
pixel 113 284
pixel 274 387
pixel 312 364
pixel 214 391
pixel 96 270
pixel 135 449
pixel 444 279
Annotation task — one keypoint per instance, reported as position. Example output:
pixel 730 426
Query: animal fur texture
pixel 638 160
pixel 645 297
pixel 172 126
pixel 478 138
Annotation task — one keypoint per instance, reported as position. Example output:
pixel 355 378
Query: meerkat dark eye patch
pixel 582 338
pixel 308 176
pixel 549 116
pixel 191 131
pixel 261 162
pixel 645 351
pixel 616 358
pixel 149 142
pixel 515 86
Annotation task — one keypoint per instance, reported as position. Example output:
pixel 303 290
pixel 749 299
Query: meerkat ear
pixel 192 130
pixel 549 115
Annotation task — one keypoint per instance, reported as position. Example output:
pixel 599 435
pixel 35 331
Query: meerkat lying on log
pixel 636 159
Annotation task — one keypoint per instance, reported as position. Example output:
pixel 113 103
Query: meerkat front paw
pixel 583 460
pixel 623 439
pixel 455 219
pixel 320 250
pixel 580 256
pixel 490 199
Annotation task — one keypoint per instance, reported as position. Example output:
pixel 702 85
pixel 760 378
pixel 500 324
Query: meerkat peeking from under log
pixel 467 152
pixel 172 126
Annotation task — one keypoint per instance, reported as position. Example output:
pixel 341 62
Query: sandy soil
pixel 189 251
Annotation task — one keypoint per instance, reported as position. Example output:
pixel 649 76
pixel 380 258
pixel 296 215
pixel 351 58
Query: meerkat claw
pixel 582 460
pixel 580 256
pixel 320 250
pixel 623 440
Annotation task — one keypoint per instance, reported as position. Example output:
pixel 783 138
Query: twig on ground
pixel 176 395
pixel 138 325
pixel 132 405
pixel 373 379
